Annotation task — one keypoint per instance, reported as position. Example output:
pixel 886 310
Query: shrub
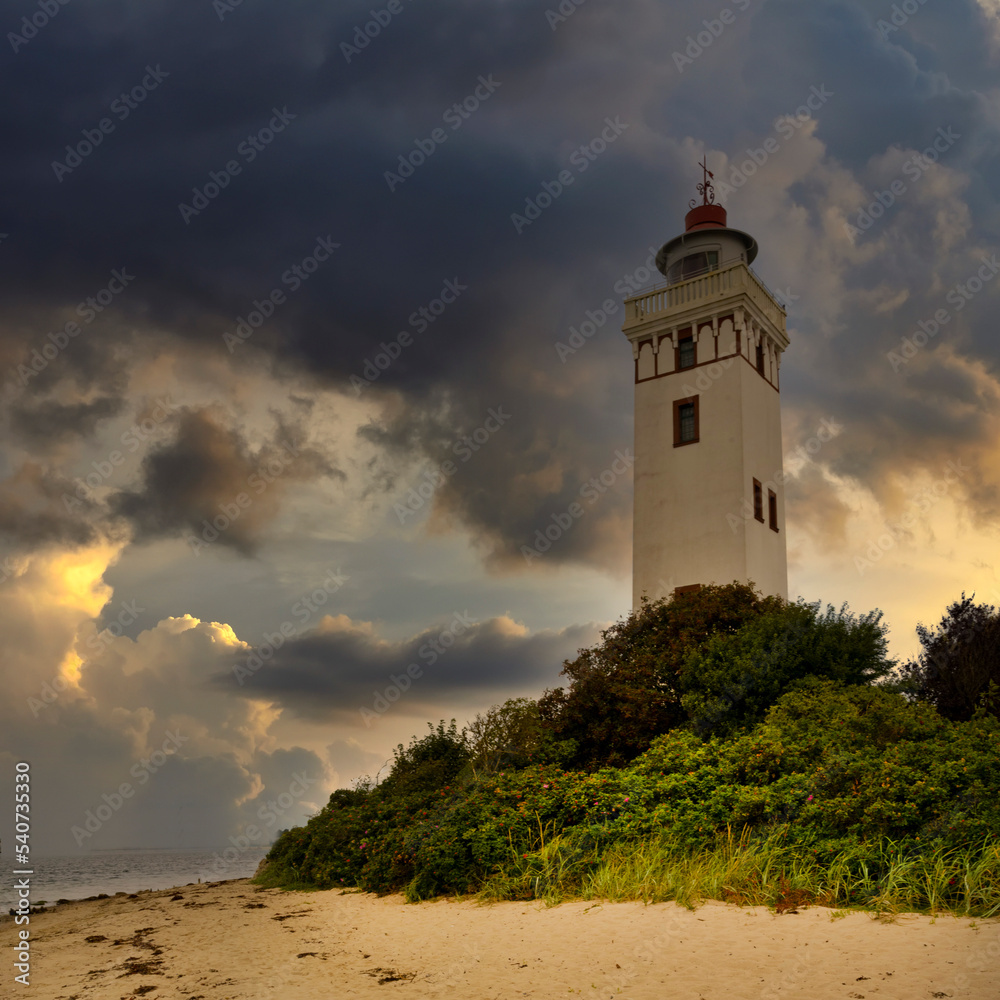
pixel 732 679
pixel 512 735
pixel 428 763
pixel 627 690
pixel 835 772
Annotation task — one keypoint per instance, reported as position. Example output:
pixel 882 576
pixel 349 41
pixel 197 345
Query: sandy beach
pixel 235 941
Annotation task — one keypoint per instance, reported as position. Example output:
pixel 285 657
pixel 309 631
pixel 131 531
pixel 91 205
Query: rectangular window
pixel 685 352
pixel 772 509
pixel 758 501
pixel 760 357
pixel 686 429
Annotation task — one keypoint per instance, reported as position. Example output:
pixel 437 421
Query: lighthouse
pixel 706 344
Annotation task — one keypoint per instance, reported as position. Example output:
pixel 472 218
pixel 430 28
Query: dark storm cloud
pixel 39 507
pixel 209 471
pixel 346 122
pixel 336 671
pixel 48 422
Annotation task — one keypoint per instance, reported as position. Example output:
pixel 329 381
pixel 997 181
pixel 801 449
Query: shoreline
pixel 231 939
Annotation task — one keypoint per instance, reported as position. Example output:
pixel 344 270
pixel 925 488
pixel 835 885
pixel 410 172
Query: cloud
pixel 334 671
pixel 210 485
pixel 349 458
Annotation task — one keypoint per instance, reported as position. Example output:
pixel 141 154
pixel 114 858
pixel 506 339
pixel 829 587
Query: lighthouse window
pixel 772 509
pixel 760 357
pixel 685 421
pixel 685 352
pixel 758 501
pixel 693 265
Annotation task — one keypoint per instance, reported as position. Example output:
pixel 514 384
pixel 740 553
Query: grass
pixel 873 877
pixel 273 878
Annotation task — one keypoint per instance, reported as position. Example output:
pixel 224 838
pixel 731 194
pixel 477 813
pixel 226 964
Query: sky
pixel 290 293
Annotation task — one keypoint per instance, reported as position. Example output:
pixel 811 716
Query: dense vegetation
pixel 718 744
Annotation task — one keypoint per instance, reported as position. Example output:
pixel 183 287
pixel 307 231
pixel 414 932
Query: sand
pixel 233 940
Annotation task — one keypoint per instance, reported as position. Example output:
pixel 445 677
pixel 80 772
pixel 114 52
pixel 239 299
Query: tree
pixel 510 735
pixel 959 669
pixel 627 690
pixel 427 764
pixel 731 680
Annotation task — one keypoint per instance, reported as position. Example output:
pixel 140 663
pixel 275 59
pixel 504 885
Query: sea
pixel 129 870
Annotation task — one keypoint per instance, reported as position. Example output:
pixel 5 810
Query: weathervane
pixel 705 188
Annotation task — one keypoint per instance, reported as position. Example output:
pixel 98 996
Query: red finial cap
pixel 707 215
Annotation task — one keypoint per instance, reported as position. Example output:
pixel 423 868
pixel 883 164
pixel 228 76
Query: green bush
pixel 843 775
pixel 627 690
pixel 732 679
pixel 958 670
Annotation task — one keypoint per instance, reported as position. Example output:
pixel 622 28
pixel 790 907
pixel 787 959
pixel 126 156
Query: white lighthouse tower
pixel 709 497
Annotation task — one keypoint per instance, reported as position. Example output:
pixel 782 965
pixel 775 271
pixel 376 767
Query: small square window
pixel 772 509
pixel 686 429
pixel 758 501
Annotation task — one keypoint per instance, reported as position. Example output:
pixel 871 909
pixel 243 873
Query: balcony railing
pixel 711 284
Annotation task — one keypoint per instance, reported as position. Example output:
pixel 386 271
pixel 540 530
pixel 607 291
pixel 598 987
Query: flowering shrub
pixel 833 767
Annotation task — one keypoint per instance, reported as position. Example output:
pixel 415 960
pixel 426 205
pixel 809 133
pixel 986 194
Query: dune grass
pixel 874 877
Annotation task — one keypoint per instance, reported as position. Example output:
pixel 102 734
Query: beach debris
pixel 390 975
pixel 94 938
pixel 135 966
